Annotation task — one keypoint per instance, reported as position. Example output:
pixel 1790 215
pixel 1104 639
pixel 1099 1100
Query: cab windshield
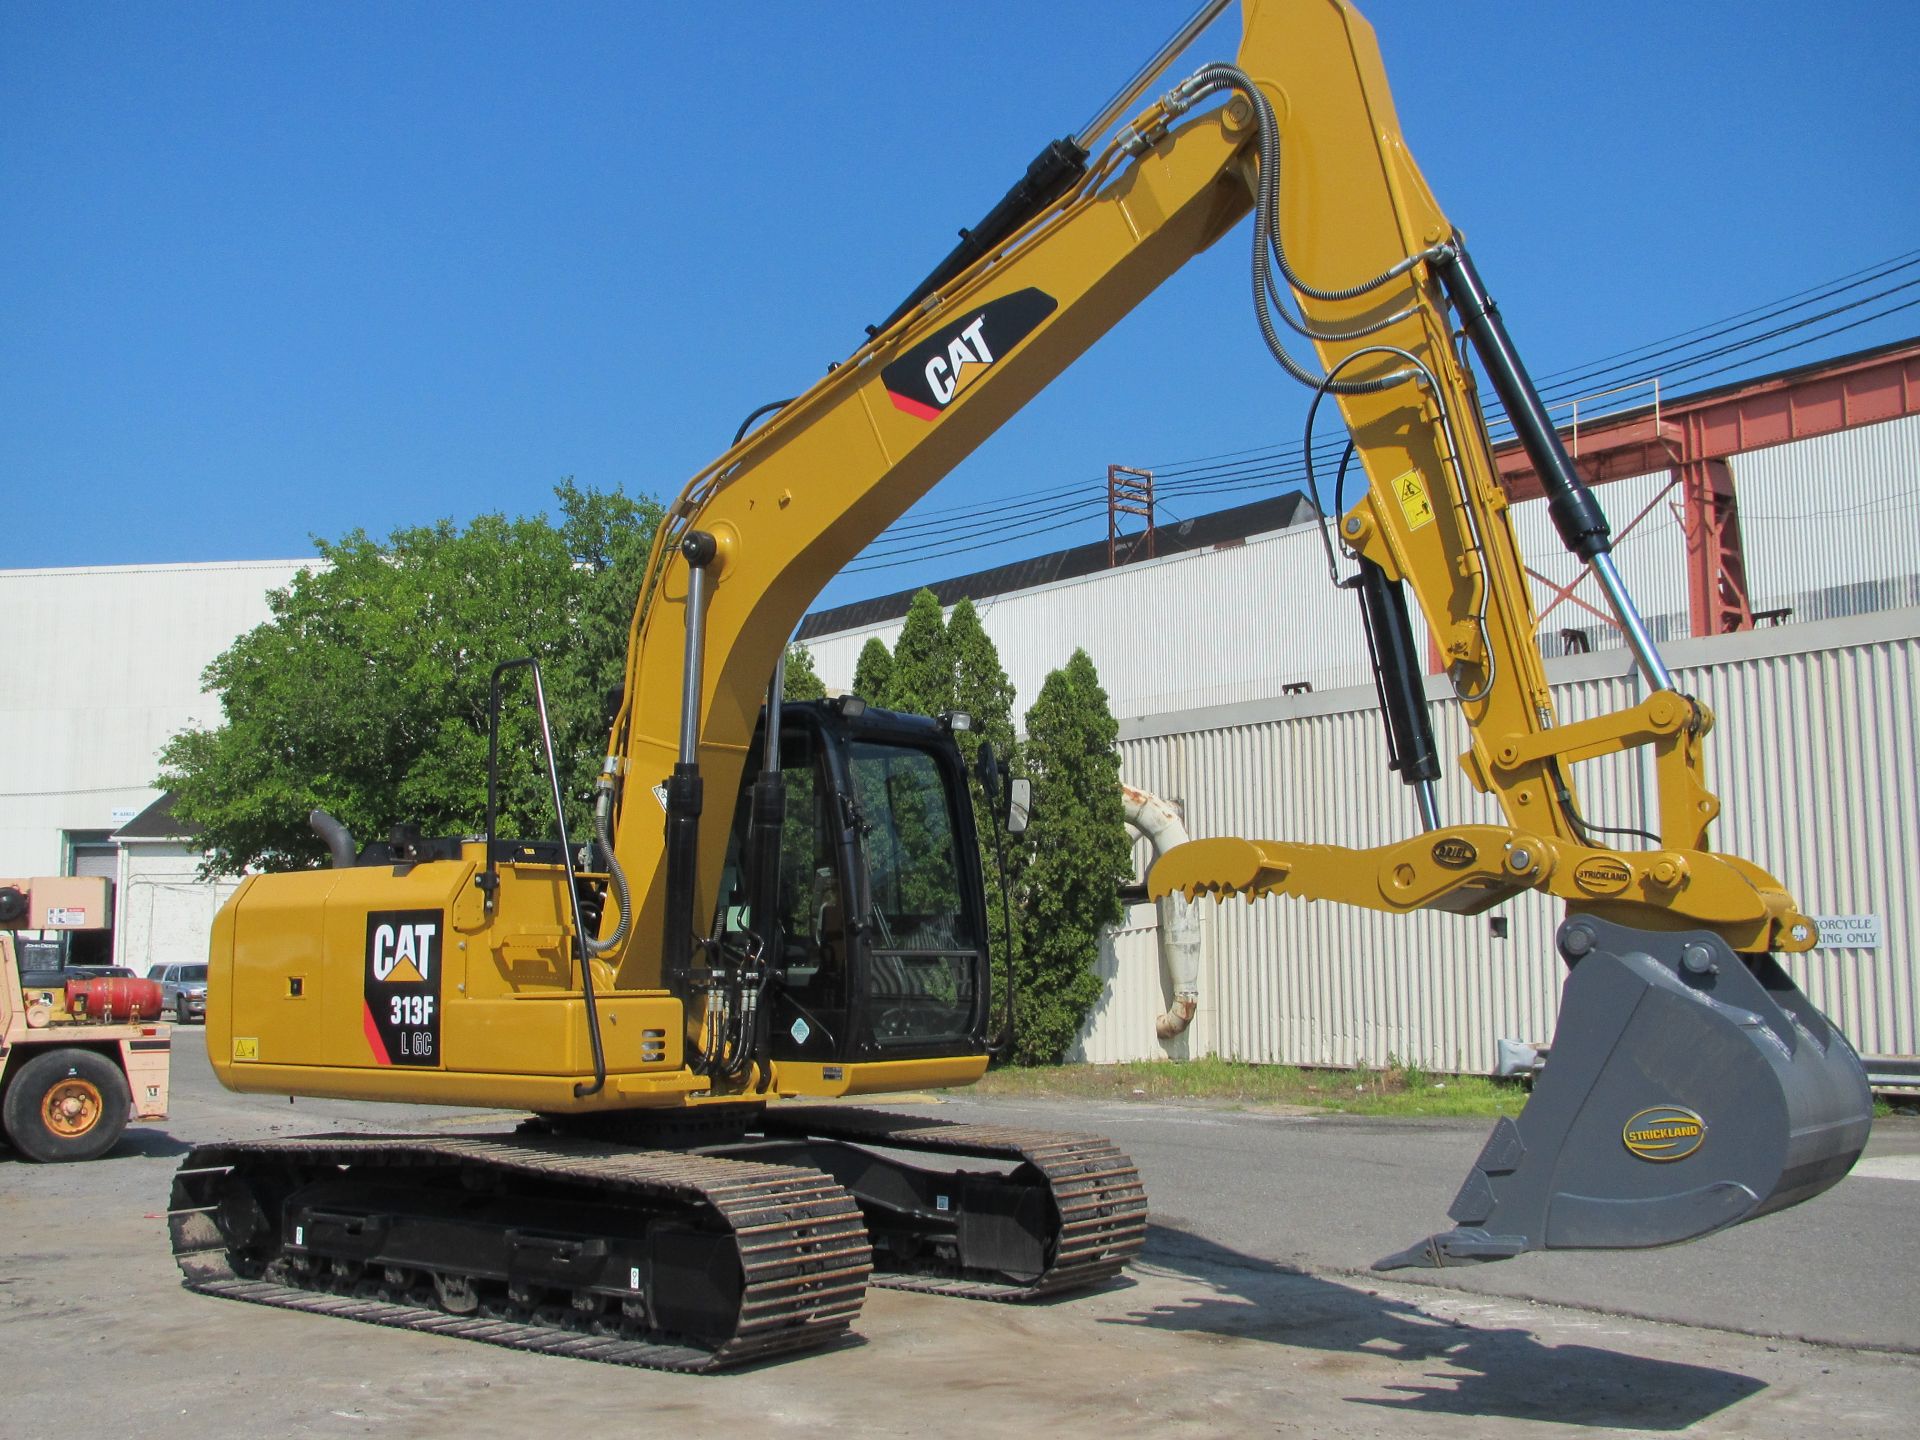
pixel 924 950
pixel 890 957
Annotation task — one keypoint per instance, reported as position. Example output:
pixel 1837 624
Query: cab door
pixel 807 992
pixel 921 966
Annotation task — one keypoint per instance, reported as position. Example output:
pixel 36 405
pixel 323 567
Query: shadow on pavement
pixel 146 1140
pixel 139 1140
pixel 1467 1370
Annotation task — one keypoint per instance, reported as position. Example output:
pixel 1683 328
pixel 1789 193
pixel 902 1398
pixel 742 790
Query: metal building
pixel 1144 626
pixel 1157 629
pixel 163 910
pixel 104 668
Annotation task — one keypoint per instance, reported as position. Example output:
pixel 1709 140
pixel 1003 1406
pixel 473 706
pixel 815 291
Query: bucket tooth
pixel 1461 1246
pixel 1688 1088
pixel 1475 1201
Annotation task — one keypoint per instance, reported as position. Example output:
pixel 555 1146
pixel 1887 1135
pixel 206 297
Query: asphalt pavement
pixel 1332 1194
pixel 1251 1312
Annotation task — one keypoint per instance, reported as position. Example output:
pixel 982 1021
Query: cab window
pixel 924 950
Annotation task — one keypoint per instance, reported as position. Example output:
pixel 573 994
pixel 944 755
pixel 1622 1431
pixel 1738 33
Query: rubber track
pixel 802 1244
pixel 1095 1188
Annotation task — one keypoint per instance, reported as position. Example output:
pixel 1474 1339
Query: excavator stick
pixel 1688 1088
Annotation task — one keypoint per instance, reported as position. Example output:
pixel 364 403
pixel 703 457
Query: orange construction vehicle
pixel 80 1052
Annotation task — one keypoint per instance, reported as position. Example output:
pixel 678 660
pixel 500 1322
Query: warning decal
pixel 1411 491
pixel 402 1017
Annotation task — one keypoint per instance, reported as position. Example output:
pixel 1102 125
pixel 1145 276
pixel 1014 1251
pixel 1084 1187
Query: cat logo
pixel 401 1017
pixel 928 378
pixel 1665 1132
pixel 403 954
pixel 966 360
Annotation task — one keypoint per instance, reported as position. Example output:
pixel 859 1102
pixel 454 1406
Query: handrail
pixel 489 881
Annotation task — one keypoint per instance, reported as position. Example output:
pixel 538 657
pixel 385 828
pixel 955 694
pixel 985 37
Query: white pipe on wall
pixel 1160 824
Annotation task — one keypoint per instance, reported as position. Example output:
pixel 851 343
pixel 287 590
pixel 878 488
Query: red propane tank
pixel 114 999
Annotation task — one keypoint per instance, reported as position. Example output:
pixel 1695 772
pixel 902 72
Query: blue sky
pixel 272 271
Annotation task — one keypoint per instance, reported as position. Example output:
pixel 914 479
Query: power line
pixel 967 528
pixel 986 525
pixel 987 544
pixel 1810 339
pixel 1713 329
pixel 1693 361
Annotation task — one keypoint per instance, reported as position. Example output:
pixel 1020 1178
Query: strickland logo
pixel 925 380
pixel 1665 1132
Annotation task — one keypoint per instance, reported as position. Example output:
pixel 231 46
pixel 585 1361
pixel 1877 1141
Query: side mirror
pixel 1019 805
pixel 986 770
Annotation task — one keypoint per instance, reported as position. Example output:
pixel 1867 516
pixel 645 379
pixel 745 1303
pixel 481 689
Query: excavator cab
pixel 877 927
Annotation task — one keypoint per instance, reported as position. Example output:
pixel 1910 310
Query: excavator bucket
pixel 1688 1088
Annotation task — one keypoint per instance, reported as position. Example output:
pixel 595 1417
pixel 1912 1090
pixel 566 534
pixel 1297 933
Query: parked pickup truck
pixel 183 991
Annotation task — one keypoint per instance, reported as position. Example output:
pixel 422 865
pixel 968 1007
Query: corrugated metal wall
pixel 1815 762
pixel 1832 525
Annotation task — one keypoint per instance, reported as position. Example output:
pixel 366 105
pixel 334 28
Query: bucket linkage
pixel 1688 1088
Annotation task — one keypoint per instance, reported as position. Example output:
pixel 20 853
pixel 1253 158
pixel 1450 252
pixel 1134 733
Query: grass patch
pixel 1395 1090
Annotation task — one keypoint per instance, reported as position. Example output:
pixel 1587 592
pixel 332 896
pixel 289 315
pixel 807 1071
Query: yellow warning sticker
pixel 1411 491
pixel 246 1047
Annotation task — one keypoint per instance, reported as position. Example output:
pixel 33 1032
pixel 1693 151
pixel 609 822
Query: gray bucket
pixel 1687 1088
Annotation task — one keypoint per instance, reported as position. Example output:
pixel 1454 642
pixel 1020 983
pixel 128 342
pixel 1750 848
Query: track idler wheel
pixel 1688 1088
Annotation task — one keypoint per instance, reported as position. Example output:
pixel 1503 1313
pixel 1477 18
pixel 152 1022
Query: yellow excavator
pixel 667 995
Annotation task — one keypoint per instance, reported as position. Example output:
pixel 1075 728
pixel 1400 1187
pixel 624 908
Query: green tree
pixel 873 674
pixel 980 684
pixel 607 533
pixel 802 681
pixel 922 678
pixel 366 693
pixel 981 689
pixel 1079 856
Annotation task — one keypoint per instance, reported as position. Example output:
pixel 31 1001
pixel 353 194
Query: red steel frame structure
pixel 1694 438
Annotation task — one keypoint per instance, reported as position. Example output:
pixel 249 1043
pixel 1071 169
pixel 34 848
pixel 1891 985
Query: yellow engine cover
pixel 393 983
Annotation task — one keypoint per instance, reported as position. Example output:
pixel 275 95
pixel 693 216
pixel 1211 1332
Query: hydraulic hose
pixel 602 815
pixel 766 409
pixel 1269 250
pixel 1452 462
